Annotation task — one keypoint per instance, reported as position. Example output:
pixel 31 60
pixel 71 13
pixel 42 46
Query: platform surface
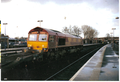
pixel 102 66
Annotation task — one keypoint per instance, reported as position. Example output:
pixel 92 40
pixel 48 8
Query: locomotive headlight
pixel 29 45
pixel 43 46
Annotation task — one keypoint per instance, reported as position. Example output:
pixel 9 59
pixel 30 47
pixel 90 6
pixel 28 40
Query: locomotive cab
pixel 37 39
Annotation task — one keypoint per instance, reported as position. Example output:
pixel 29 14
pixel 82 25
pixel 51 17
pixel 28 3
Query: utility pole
pixel 113 35
pixel 5 44
pixel 5 27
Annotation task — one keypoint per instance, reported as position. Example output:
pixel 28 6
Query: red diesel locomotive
pixel 48 40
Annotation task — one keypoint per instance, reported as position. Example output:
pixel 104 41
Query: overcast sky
pixel 22 15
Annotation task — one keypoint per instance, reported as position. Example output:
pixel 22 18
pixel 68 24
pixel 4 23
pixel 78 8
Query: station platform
pixel 102 66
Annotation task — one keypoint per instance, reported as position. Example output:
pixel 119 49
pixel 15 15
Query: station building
pixel 102 40
pixel 4 40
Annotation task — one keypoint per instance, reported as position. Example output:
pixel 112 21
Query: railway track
pixel 68 71
pixel 10 51
pixel 35 70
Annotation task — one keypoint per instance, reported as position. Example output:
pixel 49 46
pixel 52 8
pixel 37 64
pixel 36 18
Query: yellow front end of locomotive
pixel 38 41
pixel 37 45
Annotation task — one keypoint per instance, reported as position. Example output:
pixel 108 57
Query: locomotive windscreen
pixel 43 37
pixel 33 37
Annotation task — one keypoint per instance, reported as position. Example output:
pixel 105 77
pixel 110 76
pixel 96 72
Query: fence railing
pixel 11 50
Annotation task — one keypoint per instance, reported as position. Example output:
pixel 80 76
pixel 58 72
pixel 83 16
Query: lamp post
pixel 113 35
pixel 5 44
pixel 40 21
pixel 5 27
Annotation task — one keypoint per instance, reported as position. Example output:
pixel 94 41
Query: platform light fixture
pixel 117 18
pixel 113 35
pixel 5 27
pixel 40 21
pixel 113 31
pixel 5 44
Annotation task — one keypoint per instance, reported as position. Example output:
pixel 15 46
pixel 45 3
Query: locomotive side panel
pixel 68 41
pixel 73 41
pixel 52 41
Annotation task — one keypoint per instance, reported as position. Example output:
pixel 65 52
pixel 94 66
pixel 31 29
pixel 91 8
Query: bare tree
pixel 85 31
pixel 92 33
pixel 70 30
pixel 95 34
pixel 75 30
pixel 16 37
pixel 65 30
pixel 89 32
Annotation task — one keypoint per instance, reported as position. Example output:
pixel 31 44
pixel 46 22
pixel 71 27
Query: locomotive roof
pixel 42 29
pixel 52 32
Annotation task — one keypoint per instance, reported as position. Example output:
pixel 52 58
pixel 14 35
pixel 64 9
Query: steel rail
pixel 12 49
